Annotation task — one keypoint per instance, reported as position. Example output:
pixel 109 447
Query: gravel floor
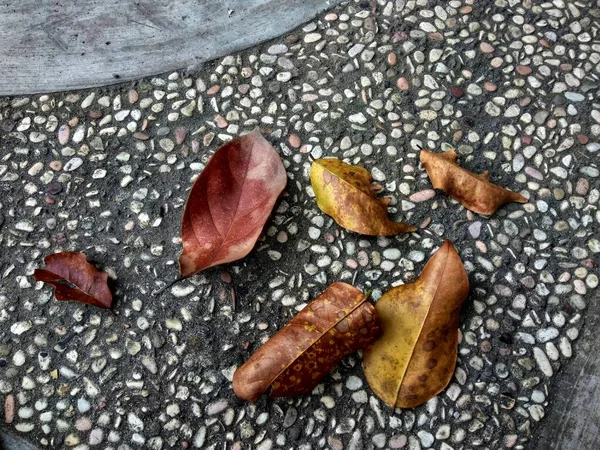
pixel 509 84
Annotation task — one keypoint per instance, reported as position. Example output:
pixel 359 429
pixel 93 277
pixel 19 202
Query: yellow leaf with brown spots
pixel 415 358
pixel 338 322
pixel 473 191
pixel 345 193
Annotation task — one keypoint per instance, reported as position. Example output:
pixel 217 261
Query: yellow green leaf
pixel 345 193
pixel 415 358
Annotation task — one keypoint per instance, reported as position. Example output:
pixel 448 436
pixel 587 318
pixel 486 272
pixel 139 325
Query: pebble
pixel 402 84
pixel 486 47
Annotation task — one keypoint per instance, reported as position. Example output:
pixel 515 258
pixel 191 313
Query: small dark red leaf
pixel 75 279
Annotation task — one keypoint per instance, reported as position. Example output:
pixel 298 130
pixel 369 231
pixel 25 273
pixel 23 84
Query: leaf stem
pixel 161 290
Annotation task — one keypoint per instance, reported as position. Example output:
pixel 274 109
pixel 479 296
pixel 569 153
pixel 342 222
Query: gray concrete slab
pixel 52 46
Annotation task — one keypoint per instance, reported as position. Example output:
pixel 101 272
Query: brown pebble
pixel 180 134
pixel 144 124
pixel 486 47
pixel 523 70
pixel 56 165
pixel 489 86
pixel 49 200
pixel 141 136
pixel 496 62
pixel 422 196
pixel 436 36
pixel 133 96
pixel 402 84
pixel 457 92
pixel 195 146
pixel 294 140
pixel 213 90
pixel 74 121
pixel 583 186
pixel 226 276
pixel 525 101
pixel 64 133
pixel 185 444
pixel 95 114
pixel 583 139
pixel 466 9
pixel 457 135
pixel 392 59
pixel 566 67
pixel 425 222
pixel 220 121
pixel 9 408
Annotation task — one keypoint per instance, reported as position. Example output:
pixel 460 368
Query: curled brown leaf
pixel 75 279
pixel 345 193
pixel 338 322
pixel 473 191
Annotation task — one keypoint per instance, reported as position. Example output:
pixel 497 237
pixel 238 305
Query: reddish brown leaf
pixel 473 191
pixel 230 202
pixel 75 279
pixel 338 322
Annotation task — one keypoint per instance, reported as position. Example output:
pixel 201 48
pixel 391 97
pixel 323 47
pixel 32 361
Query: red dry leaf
pixel 230 202
pixel 338 322
pixel 75 279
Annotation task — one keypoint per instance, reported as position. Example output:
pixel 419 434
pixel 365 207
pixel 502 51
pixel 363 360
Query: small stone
pixel 132 96
pixel 489 86
pixel 96 434
pixel 73 164
pixel 64 133
pixel 392 59
pixel 475 229
pixel 582 187
pixel 457 92
pixel 523 70
pixel 542 362
pixel 213 90
pixel 141 136
pixel 486 48
pixel 294 141
pixel 9 408
pixel 422 196
pixel 83 424
pixel 402 84
pixel 180 134
pixel 399 441
pixel 312 37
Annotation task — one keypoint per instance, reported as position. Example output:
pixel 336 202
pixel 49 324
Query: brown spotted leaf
pixel 415 358
pixel 474 192
pixel 345 193
pixel 230 202
pixel 338 322
pixel 75 279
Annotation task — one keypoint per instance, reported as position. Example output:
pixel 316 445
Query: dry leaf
pixel 345 193
pixel 230 202
pixel 473 191
pixel 75 279
pixel 415 358
pixel 338 322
